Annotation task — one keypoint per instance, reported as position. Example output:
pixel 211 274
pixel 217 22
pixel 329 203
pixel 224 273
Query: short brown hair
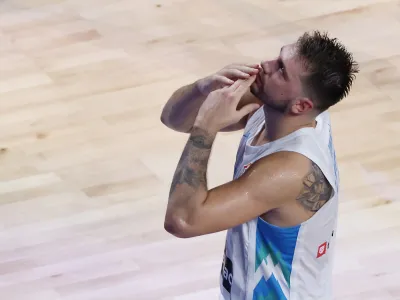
pixel 330 68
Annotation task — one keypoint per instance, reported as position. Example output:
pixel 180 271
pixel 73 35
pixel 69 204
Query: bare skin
pixel 272 183
pixel 180 111
pixel 314 194
pixel 284 188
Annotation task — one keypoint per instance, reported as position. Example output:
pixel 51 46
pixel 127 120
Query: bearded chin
pixel 276 105
pixel 279 107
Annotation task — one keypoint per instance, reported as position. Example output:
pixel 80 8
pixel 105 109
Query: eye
pixel 281 66
pixel 282 70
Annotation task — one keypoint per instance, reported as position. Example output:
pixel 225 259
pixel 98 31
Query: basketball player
pixel 281 207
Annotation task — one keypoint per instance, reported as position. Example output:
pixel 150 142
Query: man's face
pixel 278 83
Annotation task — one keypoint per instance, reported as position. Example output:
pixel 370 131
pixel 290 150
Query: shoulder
pixel 289 176
pixel 277 176
pixel 282 161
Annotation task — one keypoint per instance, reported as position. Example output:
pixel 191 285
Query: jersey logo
pixel 247 166
pixel 227 273
pixel 322 250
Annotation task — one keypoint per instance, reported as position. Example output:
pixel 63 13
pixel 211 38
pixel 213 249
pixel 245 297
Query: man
pixel 281 207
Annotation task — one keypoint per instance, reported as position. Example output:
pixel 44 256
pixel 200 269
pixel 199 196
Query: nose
pixel 265 66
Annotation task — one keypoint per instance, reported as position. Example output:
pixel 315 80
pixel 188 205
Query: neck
pixel 278 125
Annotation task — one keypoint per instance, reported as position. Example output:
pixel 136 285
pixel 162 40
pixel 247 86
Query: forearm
pixel 189 185
pixel 180 111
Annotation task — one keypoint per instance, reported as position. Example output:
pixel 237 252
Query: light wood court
pixel 86 165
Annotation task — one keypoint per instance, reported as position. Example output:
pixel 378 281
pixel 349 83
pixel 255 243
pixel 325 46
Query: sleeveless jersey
pixel 264 261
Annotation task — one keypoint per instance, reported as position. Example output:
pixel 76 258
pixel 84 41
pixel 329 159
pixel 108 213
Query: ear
pixel 302 106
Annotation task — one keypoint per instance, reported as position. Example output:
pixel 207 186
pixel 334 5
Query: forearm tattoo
pixel 192 167
pixel 316 189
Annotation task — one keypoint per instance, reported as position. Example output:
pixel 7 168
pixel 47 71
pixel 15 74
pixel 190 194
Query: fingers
pixel 236 74
pixel 253 66
pixel 248 69
pixel 233 72
pixel 245 110
pixel 242 85
pixel 240 71
pixel 223 80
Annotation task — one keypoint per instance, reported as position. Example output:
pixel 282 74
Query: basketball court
pixel 86 164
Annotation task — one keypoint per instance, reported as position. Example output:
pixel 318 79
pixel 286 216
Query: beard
pixel 268 100
pixel 279 106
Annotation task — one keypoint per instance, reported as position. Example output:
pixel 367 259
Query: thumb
pixel 221 81
pixel 249 108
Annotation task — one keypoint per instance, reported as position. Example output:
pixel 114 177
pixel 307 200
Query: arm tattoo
pixel 192 167
pixel 316 189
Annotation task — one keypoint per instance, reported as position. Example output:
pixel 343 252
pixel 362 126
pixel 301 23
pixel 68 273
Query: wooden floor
pixel 85 164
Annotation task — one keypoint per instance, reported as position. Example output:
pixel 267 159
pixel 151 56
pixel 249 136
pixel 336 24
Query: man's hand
pixel 226 77
pixel 180 111
pixel 219 110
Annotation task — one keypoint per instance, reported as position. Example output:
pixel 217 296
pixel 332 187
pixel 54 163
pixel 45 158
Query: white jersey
pixel 264 261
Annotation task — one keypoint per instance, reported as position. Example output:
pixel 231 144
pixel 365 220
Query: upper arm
pixel 247 98
pixel 268 184
pixel 316 189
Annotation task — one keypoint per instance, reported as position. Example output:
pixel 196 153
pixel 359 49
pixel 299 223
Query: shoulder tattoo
pixel 316 189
